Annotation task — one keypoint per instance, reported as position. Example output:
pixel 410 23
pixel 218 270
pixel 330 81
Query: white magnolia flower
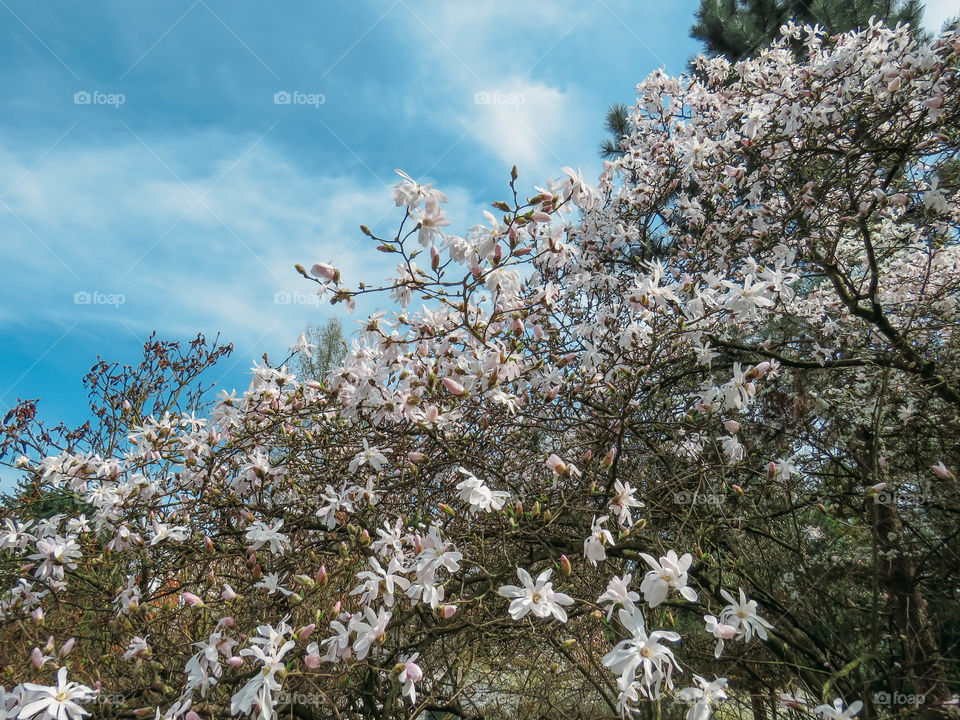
pixel 56 553
pixel 668 574
pixel 260 533
pixel 704 697
pixel 338 644
pixel 370 628
pixel 379 581
pixel 643 652
pixel 371 456
pixel 623 501
pixel 618 592
pixel 742 615
pixel 267 648
pixel 836 711
pixel 163 531
pixel 59 702
pixel 480 497
pixel 537 597
pixel 594 546
pixel 271 583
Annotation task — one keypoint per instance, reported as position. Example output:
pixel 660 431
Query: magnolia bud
pixel 67 647
pixel 307 631
pixel 321 576
pixel 565 566
pixel 608 458
pixel 228 593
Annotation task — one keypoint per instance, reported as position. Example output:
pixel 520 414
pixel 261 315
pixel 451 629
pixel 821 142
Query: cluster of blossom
pixel 555 319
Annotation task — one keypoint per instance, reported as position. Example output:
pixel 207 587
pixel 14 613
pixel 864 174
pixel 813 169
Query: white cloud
pixel 117 221
pixel 483 62
pixel 526 123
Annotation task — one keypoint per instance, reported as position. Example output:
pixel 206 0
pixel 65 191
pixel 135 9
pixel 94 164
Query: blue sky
pixel 143 155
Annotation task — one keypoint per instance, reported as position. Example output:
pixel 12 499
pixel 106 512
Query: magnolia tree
pixel 562 480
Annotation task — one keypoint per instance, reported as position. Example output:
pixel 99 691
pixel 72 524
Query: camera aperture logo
pixel 82 297
pixel 95 97
pixel 295 97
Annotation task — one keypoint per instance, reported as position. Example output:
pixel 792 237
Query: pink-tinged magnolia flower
pixel 453 387
pixel 556 464
pixel 326 271
pixel 410 673
pixel 137 647
pixel 190 599
pixel 743 616
pixel 312 659
pixel 235 661
pixel 448 611
pixel 38 659
pixel 228 593
pixel 719 630
pixel 537 597
pixel 942 471
pixel 67 647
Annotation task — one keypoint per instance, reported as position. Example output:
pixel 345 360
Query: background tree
pixel 738 28
pixel 325 349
